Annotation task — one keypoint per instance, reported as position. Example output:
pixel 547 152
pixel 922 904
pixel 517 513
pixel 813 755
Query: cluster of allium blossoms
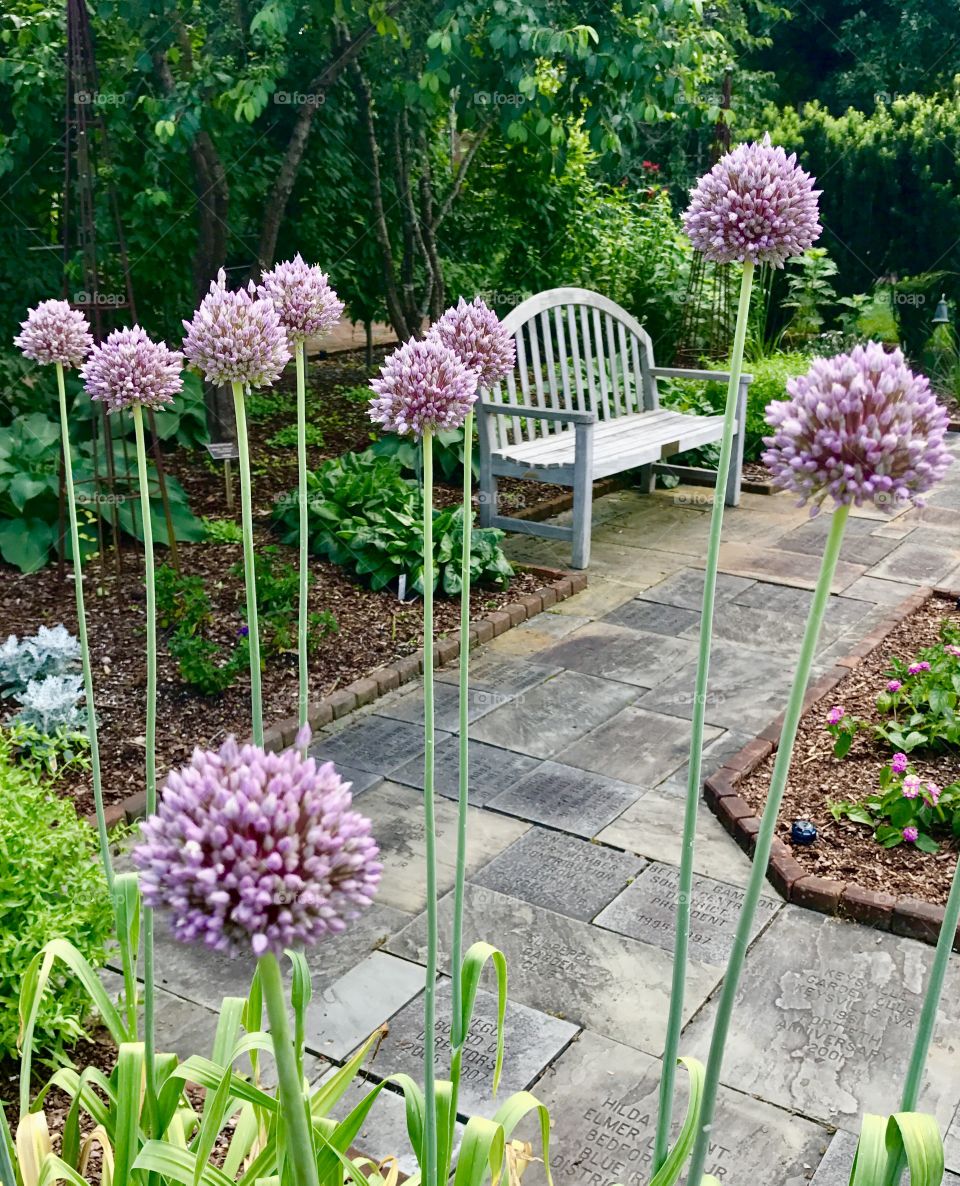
pixel 236 337
pixel 304 300
pixel 859 427
pixel 755 204
pixel 131 368
pixel 255 851
pixel 476 335
pixel 423 387
pixel 53 332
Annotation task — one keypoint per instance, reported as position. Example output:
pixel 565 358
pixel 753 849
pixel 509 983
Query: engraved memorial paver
pixel 375 743
pixel 616 653
pixel 611 984
pixel 491 769
pixel 561 873
pixel 685 589
pixel 553 714
pixel 407 705
pixel 504 674
pixel 567 798
pixel 826 1019
pixel 531 1038
pixel 646 910
pixel 602 1098
pixel 653 616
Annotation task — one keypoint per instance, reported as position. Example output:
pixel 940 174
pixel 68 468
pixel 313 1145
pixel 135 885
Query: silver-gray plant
pixel 51 703
pixel 48 652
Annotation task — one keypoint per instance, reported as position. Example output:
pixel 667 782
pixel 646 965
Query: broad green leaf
pixel 126 1132
pixel 922 1147
pixel 481 1152
pixel 159 1157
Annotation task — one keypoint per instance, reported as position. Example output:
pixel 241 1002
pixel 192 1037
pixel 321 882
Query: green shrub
pixel 51 886
pixel 365 516
pixel 447 453
pixel 286 437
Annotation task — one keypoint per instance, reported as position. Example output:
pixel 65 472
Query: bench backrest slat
pixel 577 351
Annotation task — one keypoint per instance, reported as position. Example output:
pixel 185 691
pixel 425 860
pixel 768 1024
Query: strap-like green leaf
pixel 328 1093
pixel 481 1152
pixel 672 1167
pixel 300 992
pixel 922 1147
pixel 873 1162
pixel 513 1110
pixel 160 1157
pixel 344 1133
pixel 474 962
pixel 126 908
pixel 8 1176
pixel 416 1111
pixel 126 1134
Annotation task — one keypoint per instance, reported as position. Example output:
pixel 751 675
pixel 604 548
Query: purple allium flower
pixel 476 335
pixel 916 668
pixel 423 387
pixel 236 337
pixel 910 834
pixel 835 715
pixel 305 302
pixel 255 851
pixel 899 763
pixel 894 685
pixel 756 204
pixel 53 332
pixel 911 786
pixel 860 427
pixel 131 368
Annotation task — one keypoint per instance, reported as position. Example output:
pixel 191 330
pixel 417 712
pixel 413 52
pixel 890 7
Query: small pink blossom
pixel 899 763
pixel 932 794
pixel 894 685
pixel 835 715
pixel 916 668
pixel 911 786
pixel 952 650
pixel 53 332
pixel 910 834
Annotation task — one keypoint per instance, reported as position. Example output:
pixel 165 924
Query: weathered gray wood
pixel 732 493
pixel 492 409
pixel 583 497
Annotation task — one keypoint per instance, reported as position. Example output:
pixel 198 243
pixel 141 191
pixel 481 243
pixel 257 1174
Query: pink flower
pixel 756 204
pixel 131 368
pixel 910 834
pixel 835 715
pixel 899 763
pixel 236 338
pixel 916 668
pixel 53 332
pixel 423 387
pixel 952 650
pixel 894 685
pixel 932 794
pixel 911 786
pixel 304 300
pixel 475 334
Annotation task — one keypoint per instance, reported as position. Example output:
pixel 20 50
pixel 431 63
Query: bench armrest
pixel 705 376
pixel 494 409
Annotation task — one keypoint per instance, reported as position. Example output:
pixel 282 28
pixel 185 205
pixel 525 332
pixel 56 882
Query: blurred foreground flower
pixel 858 427
pixel 476 335
pixel 53 332
pixel 756 205
pixel 236 337
pixel 131 368
pixel 254 852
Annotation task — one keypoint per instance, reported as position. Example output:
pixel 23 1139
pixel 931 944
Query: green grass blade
pixel 676 1158
pixel 301 991
pixel 344 1134
pixel 481 1152
pixel 56 1170
pixel 474 961
pixel 214 1112
pixel 328 1093
pixel 205 1073
pixel 160 1157
pixel 415 1107
pixel 244 1134
pixel 8 1175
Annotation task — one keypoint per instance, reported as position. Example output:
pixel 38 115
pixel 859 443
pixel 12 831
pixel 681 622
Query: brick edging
pixel 558 586
pixel 904 915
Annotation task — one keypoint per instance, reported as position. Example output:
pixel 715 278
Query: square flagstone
pixel 685 589
pixel 360 780
pixel 654 617
pixel 834 1169
pixel 843 613
pixel 407 705
pixel 376 744
pixel 746 689
pixel 561 873
pixel 531 1040
pixel 599 598
pixel 879 591
pixel 637 745
pixel 491 769
pixel 345 1013
pixel 616 653
pixel 503 675
pixel 603 1102
pixel 783 568
pixel 860 545
pixel 567 798
pixel 924 558
pixel 553 714
pixel 567 968
pixel 715 754
pixel 396 813
pixel 752 628
pixel 826 1017
pixel 647 910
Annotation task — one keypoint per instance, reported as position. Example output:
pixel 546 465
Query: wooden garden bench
pixel 582 404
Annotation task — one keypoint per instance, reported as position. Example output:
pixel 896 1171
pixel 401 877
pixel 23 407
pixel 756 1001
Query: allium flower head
pixel 756 204
pixel 305 302
pixel 911 786
pixel 910 834
pixel 476 335
pixel 423 387
pixel 236 337
pixel 255 851
pixel 899 763
pixel 835 715
pixel 860 427
pixel 131 368
pixel 53 332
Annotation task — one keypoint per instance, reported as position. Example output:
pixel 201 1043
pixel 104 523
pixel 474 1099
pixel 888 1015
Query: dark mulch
pixel 374 628
pixel 846 851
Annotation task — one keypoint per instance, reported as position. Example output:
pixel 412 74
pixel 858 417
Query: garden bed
pixel 846 870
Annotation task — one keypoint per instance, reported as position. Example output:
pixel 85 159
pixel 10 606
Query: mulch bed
pixel 844 851
pixel 374 628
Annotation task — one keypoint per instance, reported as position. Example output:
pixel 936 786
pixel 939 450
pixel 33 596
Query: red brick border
pixel 905 915
pixel 558 586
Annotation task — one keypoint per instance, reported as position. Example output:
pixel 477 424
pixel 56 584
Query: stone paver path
pixel 579 735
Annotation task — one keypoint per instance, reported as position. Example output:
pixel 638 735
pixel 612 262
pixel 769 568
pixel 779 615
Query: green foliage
pixel 809 292
pixel 51 886
pixel 264 405
pixel 447 453
pixel 889 810
pixel 278 600
pixel 222 531
pixel 365 516
pixel 286 437
pixel 63 749
pixel 922 713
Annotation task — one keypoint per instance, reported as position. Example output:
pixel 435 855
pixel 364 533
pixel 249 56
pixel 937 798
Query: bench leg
pixel 732 492
pixel 582 498
pixel 646 479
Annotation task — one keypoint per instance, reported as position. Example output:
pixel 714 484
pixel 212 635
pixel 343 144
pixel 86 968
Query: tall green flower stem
pixel 931 1002
pixel 292 1105
pixel 694 769
pixel 249 572
pixel 302 490
pixel 82 632
pixel 149 985
pixel 456 1028
pixel 429 1158
pixel 764 842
